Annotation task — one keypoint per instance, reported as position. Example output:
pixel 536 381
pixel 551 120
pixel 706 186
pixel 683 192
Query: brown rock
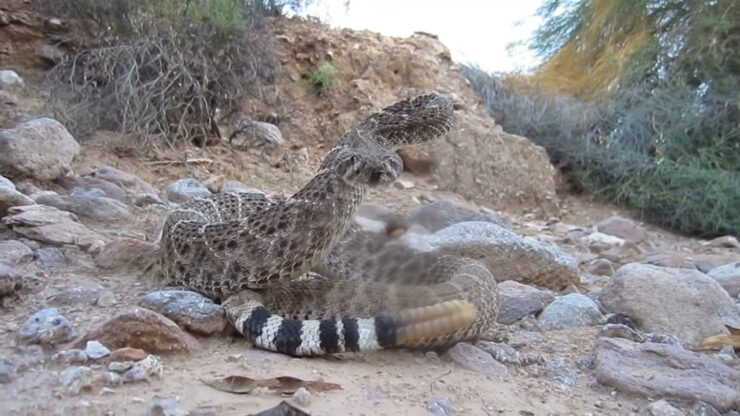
pixel 53 226
pixel 658 370
pixel 143 329
pixel 623 228
pixel 125 180
pixel 128 354
pixel 127 254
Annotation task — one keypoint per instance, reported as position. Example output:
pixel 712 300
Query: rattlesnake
pixel 296 276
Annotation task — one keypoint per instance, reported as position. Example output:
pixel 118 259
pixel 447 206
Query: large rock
pixel 507 255
pixel 681 302
pixel 658 370
pixel 477 159
pixel 518 301
pixel 98 208
pixel 40 148
pixel 51 225
pixel 143 329
pixel 728 276
pixel 481 162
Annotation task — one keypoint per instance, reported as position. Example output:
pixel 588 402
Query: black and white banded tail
pixel 307 337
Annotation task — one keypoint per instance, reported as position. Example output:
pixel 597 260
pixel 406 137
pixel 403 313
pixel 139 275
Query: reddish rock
pixel 143 329
pixel 128 354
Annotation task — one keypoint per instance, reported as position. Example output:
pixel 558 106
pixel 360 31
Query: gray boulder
pixel 40 148
pixel 681 302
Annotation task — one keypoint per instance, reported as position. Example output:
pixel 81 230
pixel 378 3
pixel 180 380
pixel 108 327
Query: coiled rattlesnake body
pixel 296 276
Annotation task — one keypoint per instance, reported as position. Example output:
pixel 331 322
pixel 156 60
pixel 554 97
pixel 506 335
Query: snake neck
pixel 328 203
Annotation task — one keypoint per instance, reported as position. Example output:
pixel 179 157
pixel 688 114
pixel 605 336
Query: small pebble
pixel 95 350
pixel 142 370
pixel 112 379
pixel 302 397
pixel 440 406
pixel 120 366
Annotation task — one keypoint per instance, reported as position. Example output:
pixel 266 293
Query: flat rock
pixel 46 326
pixel 54 226
pixel 570 311
pixel 182 190
pixel 84 294
pixel 143 329
pixel 728 276
pixel 661 370
pixel 39 148
pixel 519 300
pixel 190 310
pixel 125 180
pixel 441 214
pixel 474 358
pixel 127 254
pixel 13 252
pixel 681 302
pixel 623 228
pixel 507 255
pixel 98 208
pixel 71 183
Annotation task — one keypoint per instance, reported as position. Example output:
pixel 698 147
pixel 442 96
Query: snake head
pixel 363 170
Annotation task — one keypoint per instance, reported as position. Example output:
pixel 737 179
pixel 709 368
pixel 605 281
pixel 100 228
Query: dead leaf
pixel 283 384
pixel 718 341
pixel 283 409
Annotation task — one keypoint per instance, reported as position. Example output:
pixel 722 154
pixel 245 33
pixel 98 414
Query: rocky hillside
pixel 646 323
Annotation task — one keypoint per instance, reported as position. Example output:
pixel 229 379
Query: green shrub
pixel 321 77
pixel 672 156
